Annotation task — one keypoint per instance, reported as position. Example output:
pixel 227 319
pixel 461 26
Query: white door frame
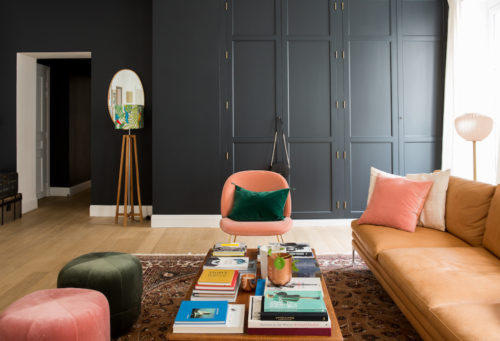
pixel 26 120
pixel 43 137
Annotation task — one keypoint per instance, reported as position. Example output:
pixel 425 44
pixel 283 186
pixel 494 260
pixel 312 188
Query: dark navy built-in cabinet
pixel 358 83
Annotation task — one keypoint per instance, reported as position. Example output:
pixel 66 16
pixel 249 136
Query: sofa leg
pixel 282 240
pixel 353 253
pixel 234 240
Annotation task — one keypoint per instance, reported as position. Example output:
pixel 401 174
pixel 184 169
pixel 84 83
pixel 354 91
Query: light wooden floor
pixel 34 248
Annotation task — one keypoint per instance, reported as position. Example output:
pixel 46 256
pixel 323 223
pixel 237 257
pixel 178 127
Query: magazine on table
pixel 257 326
pixel 229 249
pixel 296 301
pixel 297 250
pixel 254 318
pixel 227 263
pixel 297 283
pixel 252 268
pixel 308 267
pixel 202 312
pixel 235 323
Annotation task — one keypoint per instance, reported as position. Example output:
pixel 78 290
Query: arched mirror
pixel 126 100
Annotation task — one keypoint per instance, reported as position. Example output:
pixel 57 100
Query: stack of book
pixel 304 258
pixel 242 264
pixel 229 250
pixel 297 308
pixel 308 267
pixel 215 284
pixel 209 317
pixel 297 250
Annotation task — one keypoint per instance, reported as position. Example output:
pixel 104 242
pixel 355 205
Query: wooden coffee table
pixel 243 298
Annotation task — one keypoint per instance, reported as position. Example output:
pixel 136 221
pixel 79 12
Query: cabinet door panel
pixel 423 87
pixel 422 17
pixel 252 156
pixel 311 177
pixel 308 17
pixel 254 18
pixel 370 88
pixel 370 18
pixel 254 92
pixel 309 88
pixel 422 157
pixel 364 156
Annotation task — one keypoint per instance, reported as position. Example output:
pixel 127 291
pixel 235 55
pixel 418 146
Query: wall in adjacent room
pixel 69 121
pixel 118 34
pixel 79 129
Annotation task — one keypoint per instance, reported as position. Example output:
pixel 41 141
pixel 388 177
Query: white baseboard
pixel 185 220
pixel 29 205
pixel 321 222
pixel 109 210
pixel 212 220
pixel 59 192
pixel 69 191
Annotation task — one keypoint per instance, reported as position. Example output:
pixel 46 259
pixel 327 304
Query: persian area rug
pixel 364 310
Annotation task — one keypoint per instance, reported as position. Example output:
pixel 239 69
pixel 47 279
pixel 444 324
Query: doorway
pixel 33 130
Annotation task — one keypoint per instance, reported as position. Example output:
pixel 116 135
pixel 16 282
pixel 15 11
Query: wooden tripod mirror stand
pixel 127 161
pixel 126 110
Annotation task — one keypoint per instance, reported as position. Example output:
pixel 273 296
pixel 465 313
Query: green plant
pixel 279 262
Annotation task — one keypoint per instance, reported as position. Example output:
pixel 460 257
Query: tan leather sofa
pixel 446 283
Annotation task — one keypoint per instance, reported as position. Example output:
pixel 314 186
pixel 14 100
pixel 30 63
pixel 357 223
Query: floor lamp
pixel 133 114
pixel 474 127
pixel 126 109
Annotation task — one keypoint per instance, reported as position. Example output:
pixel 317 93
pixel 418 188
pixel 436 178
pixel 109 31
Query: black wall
pixel 118 33
pixel 186 141
pixel 70 108
pixel 183 42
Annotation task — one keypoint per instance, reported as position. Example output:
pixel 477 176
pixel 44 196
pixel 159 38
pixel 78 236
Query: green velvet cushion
pixel 258 206
pixel 117 275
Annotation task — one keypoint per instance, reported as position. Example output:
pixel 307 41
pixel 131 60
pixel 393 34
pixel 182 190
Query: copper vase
pixel 281 276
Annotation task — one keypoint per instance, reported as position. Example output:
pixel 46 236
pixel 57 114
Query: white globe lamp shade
pixel 473 127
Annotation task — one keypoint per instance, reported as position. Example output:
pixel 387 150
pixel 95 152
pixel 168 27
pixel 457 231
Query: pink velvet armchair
pixel 257 181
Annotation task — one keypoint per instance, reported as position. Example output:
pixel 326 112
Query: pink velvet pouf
pixel 57 315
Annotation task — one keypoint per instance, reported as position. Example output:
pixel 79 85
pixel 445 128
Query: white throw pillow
pixel 433 213
pixel 374 172
pixel 435 206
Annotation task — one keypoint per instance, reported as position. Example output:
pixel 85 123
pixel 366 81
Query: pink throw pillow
pixel 396 202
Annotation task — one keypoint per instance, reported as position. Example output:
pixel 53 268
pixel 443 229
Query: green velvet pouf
pixel 117 275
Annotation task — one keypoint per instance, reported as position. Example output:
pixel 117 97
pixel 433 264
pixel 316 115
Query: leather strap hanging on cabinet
pixel 279 166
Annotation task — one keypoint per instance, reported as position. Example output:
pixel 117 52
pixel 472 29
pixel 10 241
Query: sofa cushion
pixel 467 205
pixel 474 322
pixel 491 239
pixel 255 228
pixel 374 173
pixel 258 206
pixel 376 239
pixel 434 277
pixel 396 202
pixel 433 212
